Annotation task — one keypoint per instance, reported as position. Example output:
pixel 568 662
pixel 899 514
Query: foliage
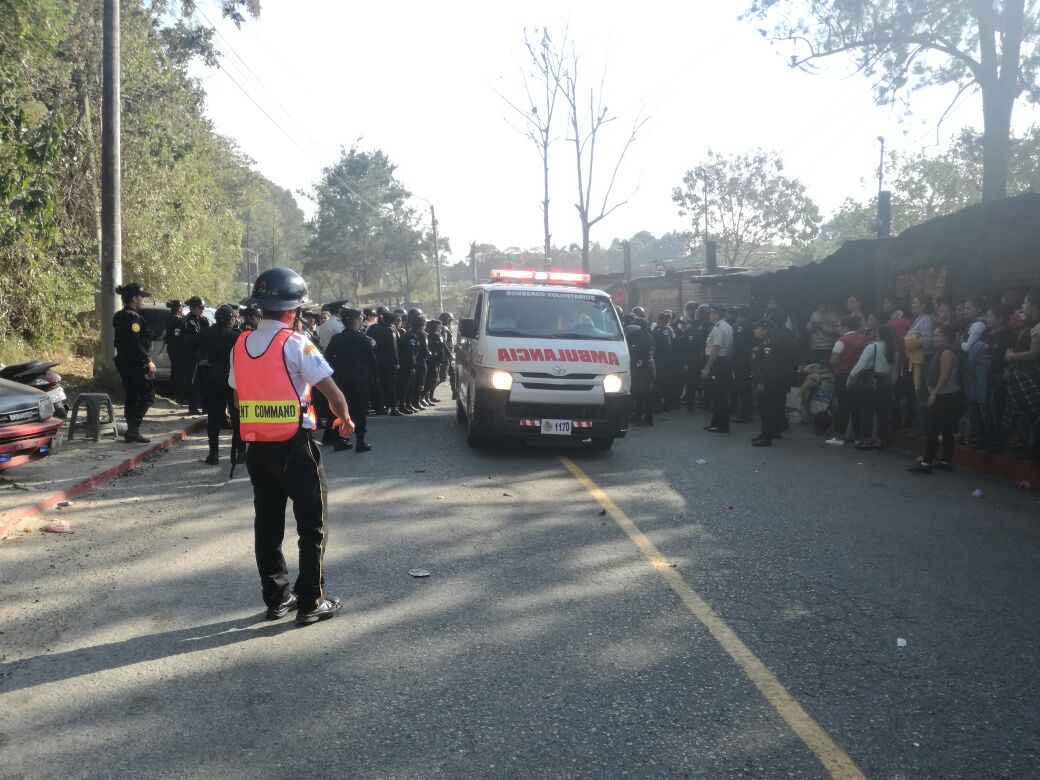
pixel 746 203
pixel 186 189
pixel 364 233
pixel 926 186
pixel 992 46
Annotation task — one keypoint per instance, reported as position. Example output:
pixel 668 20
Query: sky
pixel 423 82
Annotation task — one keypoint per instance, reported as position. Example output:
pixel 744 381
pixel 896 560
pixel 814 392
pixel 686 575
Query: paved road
pixel 546 643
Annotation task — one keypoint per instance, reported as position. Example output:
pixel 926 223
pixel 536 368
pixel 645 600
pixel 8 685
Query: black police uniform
pixel 217 344
pixel 768 372
pixel 743 393
pixel 435 343
pixel 415 393
pixel 352 356
pixel 386 337
pixel 180 372
pixel 133 342
pixel 448 367
pixel 641 356
pixel 193 330
pixel 408 357
pixel 689 347
pixel 664 365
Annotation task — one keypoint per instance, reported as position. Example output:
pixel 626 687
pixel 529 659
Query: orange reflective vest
pixel 269 409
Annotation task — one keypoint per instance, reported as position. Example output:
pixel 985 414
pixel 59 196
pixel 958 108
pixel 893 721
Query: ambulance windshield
pixel 551 314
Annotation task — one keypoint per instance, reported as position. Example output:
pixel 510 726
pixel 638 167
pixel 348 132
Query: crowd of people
pixel 969 370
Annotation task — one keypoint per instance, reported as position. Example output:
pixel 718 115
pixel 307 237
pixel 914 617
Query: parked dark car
pixel 28 428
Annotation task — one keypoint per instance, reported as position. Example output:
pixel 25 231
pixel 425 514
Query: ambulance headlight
pixel 612 383
pixel 501 380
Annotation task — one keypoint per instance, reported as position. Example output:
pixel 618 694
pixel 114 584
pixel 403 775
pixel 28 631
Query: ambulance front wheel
pixel 474 436
pixel 603 443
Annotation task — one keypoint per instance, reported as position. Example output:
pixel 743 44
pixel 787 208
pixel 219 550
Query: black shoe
pixel 325 609
pixel 342 444
pixel 212 459
pixel 920 468
pixel 396 413
pixel 135 437
pixel 283 609
pixel 434 400
pixel 715 429
pixel 762 443
pixel 942 465
pixel 362 447
pixel 407 410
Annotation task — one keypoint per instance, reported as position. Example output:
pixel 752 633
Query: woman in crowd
pixel 945 402
pixel 1022 411
pixel 975 360
pixel 845 355
pixel 871 382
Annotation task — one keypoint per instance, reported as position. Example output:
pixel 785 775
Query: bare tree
pixel 541 88
pixel 584 133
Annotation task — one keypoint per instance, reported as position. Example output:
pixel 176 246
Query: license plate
pixel 556 427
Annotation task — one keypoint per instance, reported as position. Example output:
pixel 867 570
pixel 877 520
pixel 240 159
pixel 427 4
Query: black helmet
pixel 194 301
pixel 381 310
pixel 173 305
pixel 280 289
pixel 446 317
pixel 638 311
pixel 224 314
pixel 414 314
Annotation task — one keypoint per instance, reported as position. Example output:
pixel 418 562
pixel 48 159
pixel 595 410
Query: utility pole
pixel 111 212
pixel 437 260
pixel 881 166
pixel 473 259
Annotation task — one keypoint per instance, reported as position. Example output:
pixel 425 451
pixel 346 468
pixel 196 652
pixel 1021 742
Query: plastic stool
pixel 94 403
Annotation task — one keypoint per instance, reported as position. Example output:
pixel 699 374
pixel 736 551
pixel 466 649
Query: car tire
pixel 474 436
pixel 460 411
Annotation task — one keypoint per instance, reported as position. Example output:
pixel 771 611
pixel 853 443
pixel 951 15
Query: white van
pixel 538 357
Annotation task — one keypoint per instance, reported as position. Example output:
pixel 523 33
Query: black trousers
pixel 220 404
pixel 139 392
pixel 418 381
pixel 388 387
pixel 642 392
pixel 358 403
pixel 943 419
pixel 283 472
pixel 199 383
pixel 771 404
pixel 404 381
pixel 721 382
pixel 743 392
pixel 848 409
pixel 692 382
pixel 875 400
pixel 180 378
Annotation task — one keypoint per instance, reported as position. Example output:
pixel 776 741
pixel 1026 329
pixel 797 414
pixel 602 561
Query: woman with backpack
pixel 871 383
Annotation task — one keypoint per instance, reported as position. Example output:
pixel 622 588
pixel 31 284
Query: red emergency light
pixel 545 277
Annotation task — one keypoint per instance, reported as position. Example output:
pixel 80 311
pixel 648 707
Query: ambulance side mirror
pixel 467 329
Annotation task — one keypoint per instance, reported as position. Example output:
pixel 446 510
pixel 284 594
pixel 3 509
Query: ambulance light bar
pixel 548 277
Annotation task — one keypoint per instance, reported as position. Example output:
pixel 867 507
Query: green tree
pixel 747 203
pixel 992 46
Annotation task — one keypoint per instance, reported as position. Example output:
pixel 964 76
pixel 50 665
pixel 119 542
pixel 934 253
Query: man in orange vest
pixel 272 371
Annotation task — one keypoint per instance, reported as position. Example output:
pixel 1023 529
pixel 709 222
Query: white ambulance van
pixel 539 356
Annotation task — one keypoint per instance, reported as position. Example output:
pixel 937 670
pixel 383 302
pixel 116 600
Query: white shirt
pixel 722 337
pixel 975 331
pixel 306 364
pixel 330 328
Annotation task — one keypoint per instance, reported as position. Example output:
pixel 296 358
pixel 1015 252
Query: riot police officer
pixel 173 340
pixel 641 354
pixel 386 337
pixel 664 362
pixel 133 342
pixel 272 371
pixel 352 356
pixel 217 344
pixel 194 325
pixel 768 372
pixel 448 367
pixel 436 358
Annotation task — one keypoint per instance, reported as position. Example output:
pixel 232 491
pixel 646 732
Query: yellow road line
pixel 835 760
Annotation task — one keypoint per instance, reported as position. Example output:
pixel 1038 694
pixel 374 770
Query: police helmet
pixel 639 311
pixel 446 317
pixel 195 301
pixel 280 289
pixel 224 314
pixel 173 305
pixel 381 310
pixel 414 313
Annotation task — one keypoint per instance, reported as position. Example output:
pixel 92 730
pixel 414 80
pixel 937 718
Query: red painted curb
pixel 51 500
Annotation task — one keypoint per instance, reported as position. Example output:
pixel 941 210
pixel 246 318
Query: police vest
pixel 269 408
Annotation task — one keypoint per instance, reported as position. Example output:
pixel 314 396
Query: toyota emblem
pixel 559 370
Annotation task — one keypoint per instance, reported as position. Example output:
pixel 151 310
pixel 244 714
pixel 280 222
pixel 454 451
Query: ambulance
pixel 541 356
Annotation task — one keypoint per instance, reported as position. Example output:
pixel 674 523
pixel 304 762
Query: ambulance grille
pixel 556 411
